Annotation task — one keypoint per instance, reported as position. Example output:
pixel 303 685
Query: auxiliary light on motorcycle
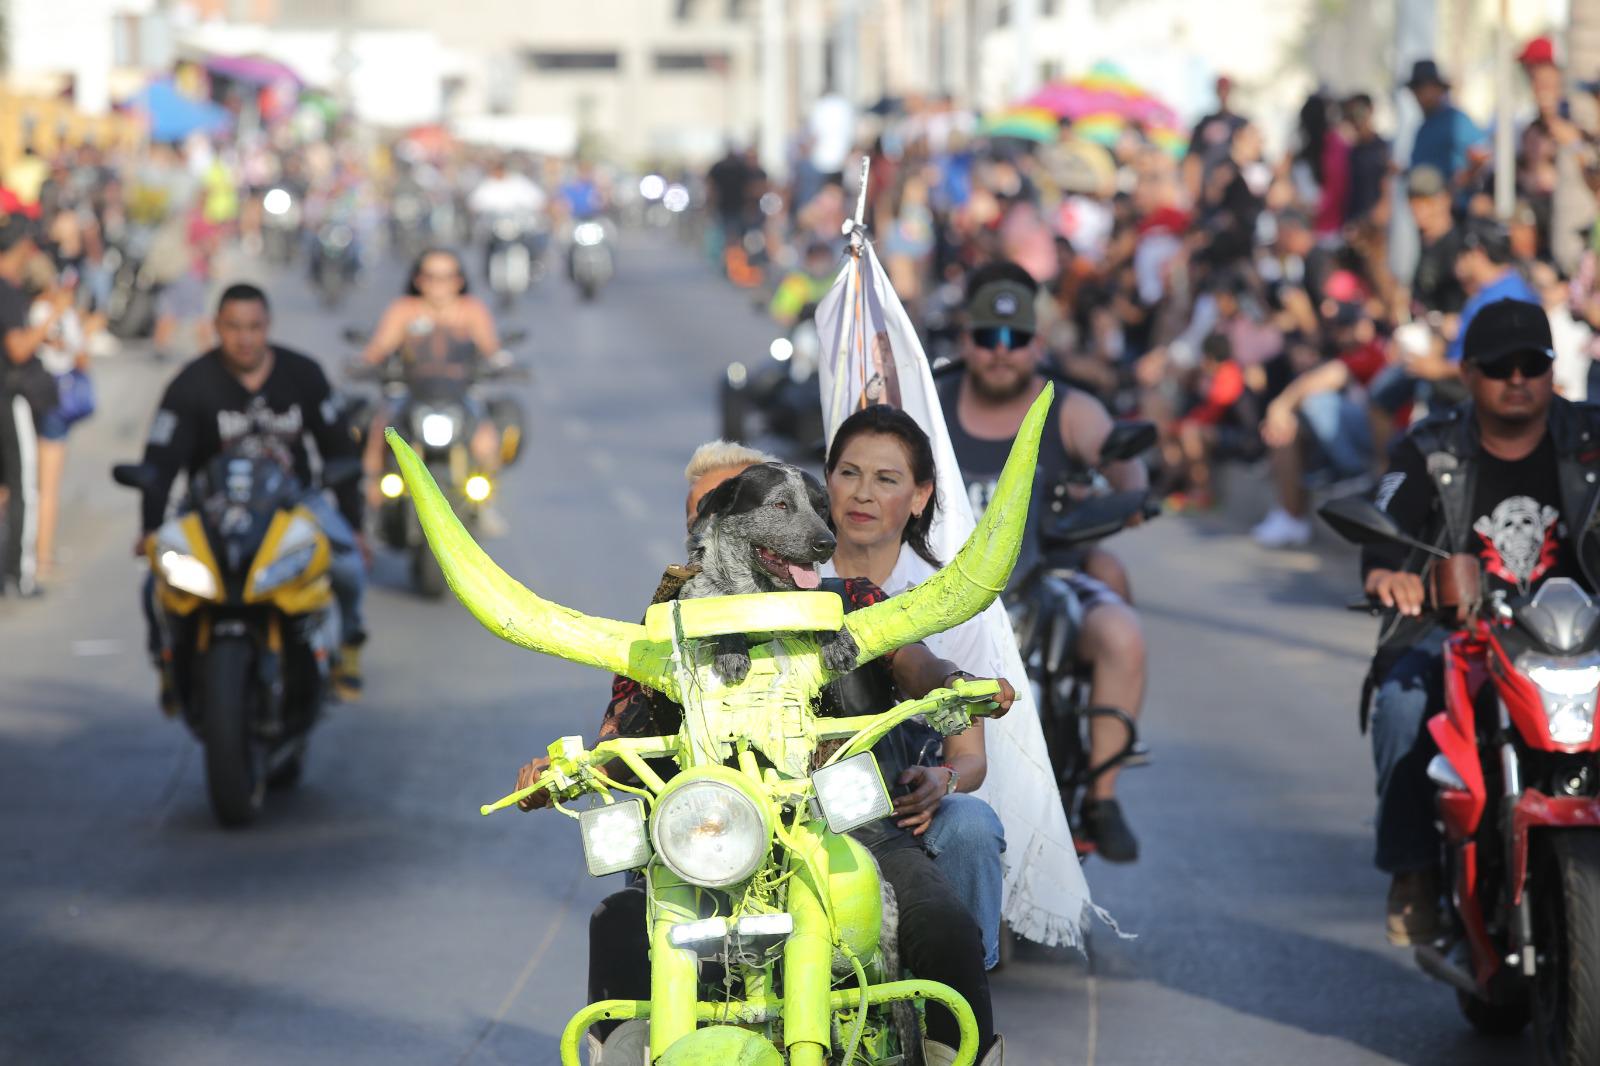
pixel 392 486
pixel 437 430
pixel 709 832
pixel 652 186
pixel 1567 688
pixel 614 837
pixel 782 348
pixel 477 488
pixel 754 934
pixel 277 202
pixel 851 793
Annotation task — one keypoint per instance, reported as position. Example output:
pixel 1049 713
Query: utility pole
pixel 1026 73
pixel 1505 152
pixel 1415 37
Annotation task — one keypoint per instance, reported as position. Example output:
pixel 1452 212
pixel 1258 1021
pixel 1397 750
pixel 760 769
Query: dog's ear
pixel 816 494
pixel 718 501
pixel 744 492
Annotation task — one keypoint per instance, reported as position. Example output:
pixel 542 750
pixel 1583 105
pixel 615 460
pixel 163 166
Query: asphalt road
pixel 373 917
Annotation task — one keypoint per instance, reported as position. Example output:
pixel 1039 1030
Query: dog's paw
pixel 840 651
pixel 732 659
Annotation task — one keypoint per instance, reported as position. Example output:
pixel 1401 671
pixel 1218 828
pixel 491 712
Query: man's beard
pixel 991 392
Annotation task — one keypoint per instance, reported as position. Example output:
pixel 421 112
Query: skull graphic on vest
pixel 1520 540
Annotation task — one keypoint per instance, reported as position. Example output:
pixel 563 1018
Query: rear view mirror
pixel 355 335
pixel 134 475
pixel 1095 518
pixel 1360 521
pixel 1128 440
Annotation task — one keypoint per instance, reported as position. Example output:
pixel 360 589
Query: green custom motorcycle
pixel 744 851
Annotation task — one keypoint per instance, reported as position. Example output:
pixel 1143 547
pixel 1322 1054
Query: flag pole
pixel 856 228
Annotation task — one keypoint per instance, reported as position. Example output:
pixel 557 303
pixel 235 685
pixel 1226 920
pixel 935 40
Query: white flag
pixel 871 355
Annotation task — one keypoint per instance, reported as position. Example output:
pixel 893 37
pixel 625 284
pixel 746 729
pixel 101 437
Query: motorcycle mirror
pixel 134 475
pixel 1095 518
pixel 355 335
pixel 1360 521
pixel 1127 440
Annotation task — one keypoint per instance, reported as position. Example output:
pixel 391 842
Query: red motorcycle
pixel 1518 777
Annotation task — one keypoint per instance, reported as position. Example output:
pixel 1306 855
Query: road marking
pixel 88 649
pixel 1093 1040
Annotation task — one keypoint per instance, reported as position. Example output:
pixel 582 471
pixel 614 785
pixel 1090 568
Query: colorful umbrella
pixel 172 116
pixel 1023 123
pixel 1104 103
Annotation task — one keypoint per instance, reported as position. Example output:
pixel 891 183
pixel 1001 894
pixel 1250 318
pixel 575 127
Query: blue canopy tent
pixel 172 116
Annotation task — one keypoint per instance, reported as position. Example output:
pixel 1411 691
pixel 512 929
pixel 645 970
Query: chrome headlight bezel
pixel 711 859
pixel 1568 687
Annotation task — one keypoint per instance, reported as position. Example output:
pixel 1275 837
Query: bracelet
pixel 955 777
pixel 958 674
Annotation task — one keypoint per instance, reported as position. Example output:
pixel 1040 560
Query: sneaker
pixel 347 674
pixel 1280 529
pixel 1104 825
pixel 1414 908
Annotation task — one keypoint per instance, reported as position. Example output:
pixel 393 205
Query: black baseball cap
pixel 1506 327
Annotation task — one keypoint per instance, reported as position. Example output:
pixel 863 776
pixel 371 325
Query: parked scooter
pixel 251 631
pixel 1518 778
pixel 768 941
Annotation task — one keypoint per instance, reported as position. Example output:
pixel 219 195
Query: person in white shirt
pixel 1572 335
pixel 882 502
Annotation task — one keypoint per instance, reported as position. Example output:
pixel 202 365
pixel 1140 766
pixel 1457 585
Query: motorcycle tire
pixel 425 572
pixel 1566 914
pixel 229 697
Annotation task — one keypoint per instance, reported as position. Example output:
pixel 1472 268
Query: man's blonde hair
pixel 721 455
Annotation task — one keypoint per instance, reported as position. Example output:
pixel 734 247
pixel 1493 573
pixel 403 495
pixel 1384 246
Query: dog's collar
pixel 672 581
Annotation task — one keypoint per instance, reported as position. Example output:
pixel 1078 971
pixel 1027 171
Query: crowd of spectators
pixel 1247 304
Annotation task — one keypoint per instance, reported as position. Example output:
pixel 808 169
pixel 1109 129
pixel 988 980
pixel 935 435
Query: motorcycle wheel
pixel 234 776
pixel 425 572
pixel 1566 934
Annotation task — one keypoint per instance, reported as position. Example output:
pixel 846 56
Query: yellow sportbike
pixel 744 852
pixel 249 627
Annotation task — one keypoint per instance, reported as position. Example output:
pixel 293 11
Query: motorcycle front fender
pixel 722 1045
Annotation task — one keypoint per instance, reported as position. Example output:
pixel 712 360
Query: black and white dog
pixel 764 530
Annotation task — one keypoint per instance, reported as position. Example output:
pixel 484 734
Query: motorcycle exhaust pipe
pixel 1434 963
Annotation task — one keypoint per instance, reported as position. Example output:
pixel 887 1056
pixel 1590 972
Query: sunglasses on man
pixel 992 337
pixel 1529 363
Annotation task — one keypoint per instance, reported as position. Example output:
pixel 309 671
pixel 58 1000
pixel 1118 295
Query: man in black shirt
pixel 1509 477
pixel 1434 286
pixel 249 392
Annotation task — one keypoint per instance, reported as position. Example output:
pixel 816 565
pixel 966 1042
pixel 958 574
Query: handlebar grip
pixel 516 797
pixel 1366 605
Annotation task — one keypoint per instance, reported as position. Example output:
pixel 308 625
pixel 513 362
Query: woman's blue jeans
pixel 966 841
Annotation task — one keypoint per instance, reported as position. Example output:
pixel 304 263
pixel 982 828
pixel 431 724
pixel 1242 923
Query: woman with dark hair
pixel 441 332
pixel 882 502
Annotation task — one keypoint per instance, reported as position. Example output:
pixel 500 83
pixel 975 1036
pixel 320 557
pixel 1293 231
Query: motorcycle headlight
pixel 589 234
pixel 277 202
pixel 293 554
pixel 478 488
pixel 437 430
pixel 781 349
pixel 1567 688
pixel 188 574
pixel 614 838
pixel 851 793
pixel 181 568
pixel 710 833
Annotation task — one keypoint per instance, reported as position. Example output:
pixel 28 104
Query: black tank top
pixel 982 460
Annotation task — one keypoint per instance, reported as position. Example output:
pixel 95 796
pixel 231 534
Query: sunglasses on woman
pixel 1530 364
pixel 992 337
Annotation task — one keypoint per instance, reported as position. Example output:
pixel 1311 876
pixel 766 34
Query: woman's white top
pixel 960 645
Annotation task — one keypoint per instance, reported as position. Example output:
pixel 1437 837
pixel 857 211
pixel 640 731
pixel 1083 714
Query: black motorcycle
pixel 438 416
pixel 777 395
pixel 1047 616
pixel 335 262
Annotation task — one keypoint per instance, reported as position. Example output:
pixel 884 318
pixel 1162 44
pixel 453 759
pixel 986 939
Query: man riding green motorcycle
pixel 767 925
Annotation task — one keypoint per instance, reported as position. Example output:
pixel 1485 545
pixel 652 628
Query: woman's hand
pixel 915 810
pixel 529 775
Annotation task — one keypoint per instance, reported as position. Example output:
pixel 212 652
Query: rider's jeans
pixel 966 841
pixel 347 570
pixel 1410 693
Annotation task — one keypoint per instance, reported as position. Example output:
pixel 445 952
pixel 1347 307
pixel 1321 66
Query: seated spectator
pixel 1572 336
pixel 1317 428
pixel 1209 426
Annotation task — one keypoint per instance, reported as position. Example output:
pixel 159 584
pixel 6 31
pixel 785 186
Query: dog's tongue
pixel 804 577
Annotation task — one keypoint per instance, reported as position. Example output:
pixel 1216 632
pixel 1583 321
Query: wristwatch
pixel 955 777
